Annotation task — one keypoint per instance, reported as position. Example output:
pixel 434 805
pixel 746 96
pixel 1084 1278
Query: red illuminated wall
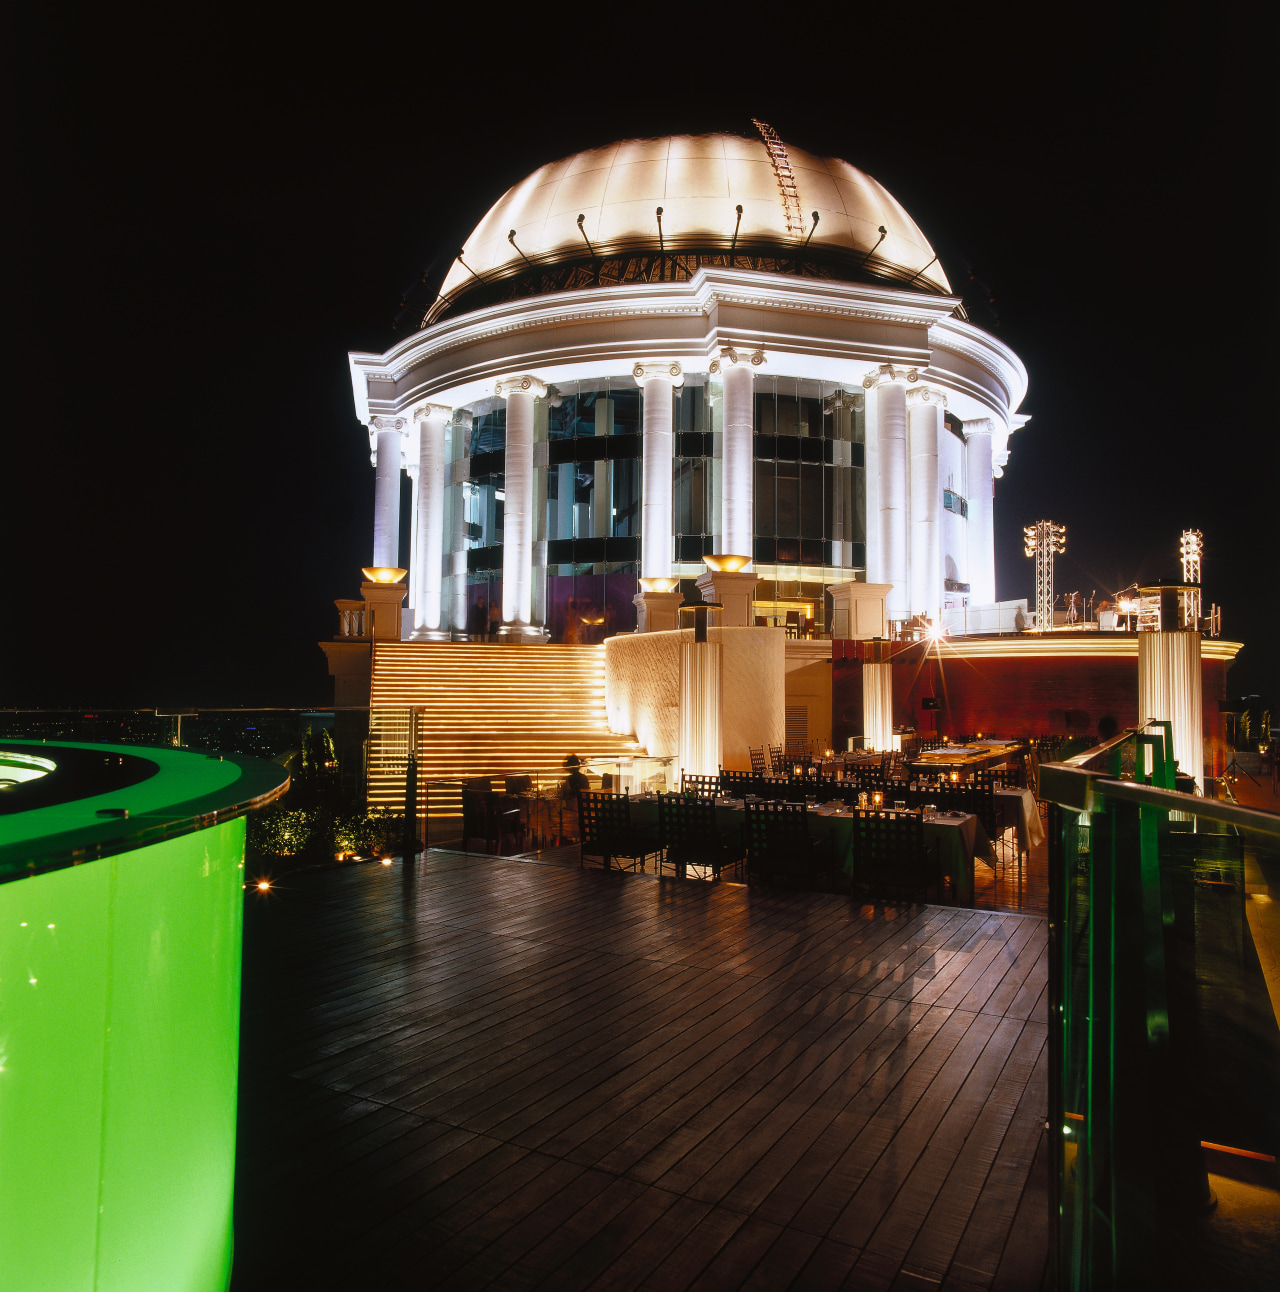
pixel 1014 697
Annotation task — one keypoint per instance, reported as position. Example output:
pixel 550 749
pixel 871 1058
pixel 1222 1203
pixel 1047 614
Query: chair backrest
pixel 761 622
pixel 736 783
pixel 758 766
pixel 704 787
pixel 888 842
pixel 479 784
pixel 519 784
pixel 684 820
pixel 603 818
pixel 775 758
pixel 775 829
pixel 772 787
pixel 793 619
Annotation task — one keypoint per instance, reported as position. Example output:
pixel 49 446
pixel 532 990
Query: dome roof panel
pixel 578 191
pixel 594 159
pixel 684 146
pixel 698 180
pixel 693 177
pixel 637 182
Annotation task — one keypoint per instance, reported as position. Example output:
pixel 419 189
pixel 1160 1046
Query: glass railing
pixel 352 794
pixel 1163 1039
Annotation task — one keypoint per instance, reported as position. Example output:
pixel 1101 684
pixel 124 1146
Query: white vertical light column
pixel 657 381
pixel 517 526
pixel 1169 690
pixel 924 413
pixel 980 527
pixel 877 705
pixel 891 461
pixel 428 552
pixel 700 729
pixel 386 492
pixel 737 508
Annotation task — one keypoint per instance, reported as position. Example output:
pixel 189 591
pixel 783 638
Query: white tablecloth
pixel 1020 811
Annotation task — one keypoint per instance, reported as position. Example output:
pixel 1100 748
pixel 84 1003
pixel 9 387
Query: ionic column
pixel 737 479
pixel 428 552
pixel 891 462
pixel 925 407
pixel 458 543
pixel 415 566
pixel 386 493
pixel 657 381
pixel 980 527
pixel 517 533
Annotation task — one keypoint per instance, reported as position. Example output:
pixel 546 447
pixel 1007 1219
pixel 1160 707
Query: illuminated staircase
pixel 484 710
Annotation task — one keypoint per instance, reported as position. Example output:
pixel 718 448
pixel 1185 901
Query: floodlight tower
pixel 1191 547
pixel 1044 540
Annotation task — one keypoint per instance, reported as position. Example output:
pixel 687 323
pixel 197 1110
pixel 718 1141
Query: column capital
pixel 926 395
pixel 843 399
pixel 979 426
pixel 380 423
pixel 432 413
pixel 731 355
pixel 886 372
pixel 505 387
pixel 658 370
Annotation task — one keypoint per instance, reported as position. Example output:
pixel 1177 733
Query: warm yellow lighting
pixel 386 861
pixel 955 776
pixel 263 885
pixel 726 563
pixel 877 798
pixel 656 584
pixel 383 573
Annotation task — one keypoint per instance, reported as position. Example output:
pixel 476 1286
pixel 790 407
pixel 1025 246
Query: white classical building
pixel 671 348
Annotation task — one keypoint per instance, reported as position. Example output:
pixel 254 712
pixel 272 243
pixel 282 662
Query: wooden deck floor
pixel 471 1072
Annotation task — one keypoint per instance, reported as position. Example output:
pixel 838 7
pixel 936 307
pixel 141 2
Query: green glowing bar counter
pixel 120 1013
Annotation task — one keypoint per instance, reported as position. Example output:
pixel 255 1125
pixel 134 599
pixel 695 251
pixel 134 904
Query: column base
pixel 430 635
pixel 523 635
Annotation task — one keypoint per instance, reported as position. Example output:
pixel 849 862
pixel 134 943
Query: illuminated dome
pixel 593 219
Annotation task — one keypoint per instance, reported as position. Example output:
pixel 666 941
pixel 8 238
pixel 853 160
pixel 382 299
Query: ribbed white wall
pixel 517 521
pixel 926 503
pixel 981 531
pixel 429 549
pixel 655 525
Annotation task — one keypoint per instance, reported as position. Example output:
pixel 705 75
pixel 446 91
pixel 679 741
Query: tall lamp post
pixel 1044 540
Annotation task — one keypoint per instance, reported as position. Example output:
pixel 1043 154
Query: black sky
pixel 212 208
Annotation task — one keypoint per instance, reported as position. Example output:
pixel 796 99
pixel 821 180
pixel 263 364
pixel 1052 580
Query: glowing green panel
pixel 118 1102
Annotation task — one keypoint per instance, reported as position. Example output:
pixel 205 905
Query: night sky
pixel 209 216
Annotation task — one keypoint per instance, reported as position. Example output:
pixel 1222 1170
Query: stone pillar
pixel 517 535
pixel 858 610
pixel 925 413
pixel 657 381
pixel 737 507
pixel 891 461
pixel 386 495
pixel 735 591
pixel 428 551
pixel 658 606
pixel 980 573
pixel 458 535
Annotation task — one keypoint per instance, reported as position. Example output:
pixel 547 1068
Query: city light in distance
pixel 263 885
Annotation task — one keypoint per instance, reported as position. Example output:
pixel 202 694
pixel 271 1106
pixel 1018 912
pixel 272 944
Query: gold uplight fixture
pixel 383 573
pixel 659 584
pixel 726 563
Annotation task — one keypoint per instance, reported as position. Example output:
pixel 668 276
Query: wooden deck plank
pixel 485 1072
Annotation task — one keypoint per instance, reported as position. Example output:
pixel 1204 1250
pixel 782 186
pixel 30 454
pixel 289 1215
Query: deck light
pixel 263 885
pixel 383 573
pixel 726 563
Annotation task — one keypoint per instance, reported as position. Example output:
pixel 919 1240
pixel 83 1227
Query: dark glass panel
pixel 788 494
pixel 766 519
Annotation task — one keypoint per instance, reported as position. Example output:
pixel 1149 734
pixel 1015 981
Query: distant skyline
pixel 211 217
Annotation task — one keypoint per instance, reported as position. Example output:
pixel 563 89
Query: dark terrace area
pixel 464 1072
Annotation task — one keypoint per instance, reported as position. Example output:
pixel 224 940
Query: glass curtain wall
pixel 589 515
pixel 810 493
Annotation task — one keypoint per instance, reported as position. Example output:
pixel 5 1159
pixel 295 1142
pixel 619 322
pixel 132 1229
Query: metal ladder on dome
pixel 786 177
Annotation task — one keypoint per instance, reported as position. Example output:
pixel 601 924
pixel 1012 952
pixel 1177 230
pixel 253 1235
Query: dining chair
pixel 780 848
pixel 891 857
pixel 689 837
pixel 758 766
pixel 605 829
pixel 703 787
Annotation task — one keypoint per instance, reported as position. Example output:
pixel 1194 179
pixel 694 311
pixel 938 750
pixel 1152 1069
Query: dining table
pixel 964 758
pixel 958 836
pixel 1020 812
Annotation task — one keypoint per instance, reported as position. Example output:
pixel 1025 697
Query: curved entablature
pixel 823 330
pixel 657 210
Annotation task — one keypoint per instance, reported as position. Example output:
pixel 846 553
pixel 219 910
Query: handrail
pixel 1078 788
